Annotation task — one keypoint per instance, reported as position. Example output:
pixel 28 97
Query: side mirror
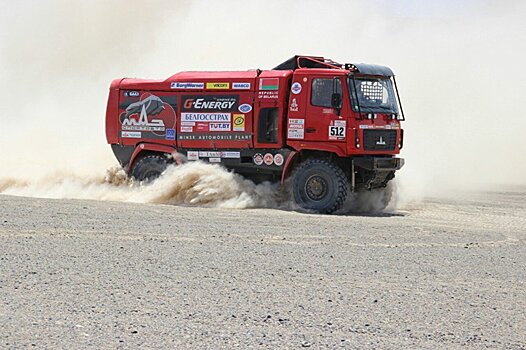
pixel 336 100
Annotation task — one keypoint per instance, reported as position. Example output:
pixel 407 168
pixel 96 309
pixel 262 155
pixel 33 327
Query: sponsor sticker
pixel 219 127
pixel 210 103
pixel 201 127
pixel 214 137
pixel 269 83
pixel 239 122
pixel 217 86
pixel 205 117
pixel 337 130
pixel 170 134
pixel 294 105
pixel 364 126
pixel 241 86
pixel 143 123
pixel 187 129
pixel 214 160
pixel 268 159
pixel 230 155
pixel 188 123
pixel 245 108
pixel 296 88
pixel 131 134
pixel 297 121
pixel 186 85
pixel 258 159
pixel 192 155
pixel 131 93
pixel 278 159
pixel 295 134
pixel 296 129
pixel 207 154
pixel 295 126
pixel 150 114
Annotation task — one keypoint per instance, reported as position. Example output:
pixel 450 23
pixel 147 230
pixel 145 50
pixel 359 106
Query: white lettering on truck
pixel 205 117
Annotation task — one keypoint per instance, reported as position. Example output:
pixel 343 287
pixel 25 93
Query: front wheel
pixel 149 168
pixel 320 186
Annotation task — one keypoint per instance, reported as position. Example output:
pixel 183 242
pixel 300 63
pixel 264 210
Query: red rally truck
pixel 333 129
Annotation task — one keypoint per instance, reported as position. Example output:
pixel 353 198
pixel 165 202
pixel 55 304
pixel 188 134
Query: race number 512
pixel 337 131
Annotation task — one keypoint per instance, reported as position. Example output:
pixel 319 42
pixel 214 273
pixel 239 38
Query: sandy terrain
pixel 90 274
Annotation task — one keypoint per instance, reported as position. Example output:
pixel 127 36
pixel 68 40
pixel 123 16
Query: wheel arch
pixel 144 149
pixel 296 158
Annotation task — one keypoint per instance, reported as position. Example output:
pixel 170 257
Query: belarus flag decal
pixel 268 83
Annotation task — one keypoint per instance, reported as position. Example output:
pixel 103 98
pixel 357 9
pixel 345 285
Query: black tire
pixel 149 168
pixel 320 186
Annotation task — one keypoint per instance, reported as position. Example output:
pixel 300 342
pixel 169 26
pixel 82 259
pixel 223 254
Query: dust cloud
pixel 193 183
pixel 458 65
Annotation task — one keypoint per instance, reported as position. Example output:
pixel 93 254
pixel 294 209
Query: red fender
pixel 314 146
pixel 338 149
pixel 286 166
pixel 141 147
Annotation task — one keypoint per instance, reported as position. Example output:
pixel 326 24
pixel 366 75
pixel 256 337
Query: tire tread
pixel 343 187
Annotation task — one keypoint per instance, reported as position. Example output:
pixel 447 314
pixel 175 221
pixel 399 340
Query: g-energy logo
pixel 210 103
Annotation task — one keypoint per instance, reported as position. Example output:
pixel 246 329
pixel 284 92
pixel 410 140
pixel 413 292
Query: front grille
pixel 379 140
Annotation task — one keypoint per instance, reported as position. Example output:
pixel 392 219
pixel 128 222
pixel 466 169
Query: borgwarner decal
pixel 187 85
pixel 213 103
pixel 149 114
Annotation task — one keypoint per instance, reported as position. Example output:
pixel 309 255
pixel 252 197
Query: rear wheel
pixel 149 168
pixel 320 185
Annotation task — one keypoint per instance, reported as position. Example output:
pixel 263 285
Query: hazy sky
pixel 458 65
pixel 437 9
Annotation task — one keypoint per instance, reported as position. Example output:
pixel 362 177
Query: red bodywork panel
pixel 112 110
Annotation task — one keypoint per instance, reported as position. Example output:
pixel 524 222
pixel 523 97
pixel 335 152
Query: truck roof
pixel 318 62
pixel 313 64
pixel 198 79
pixel 182 76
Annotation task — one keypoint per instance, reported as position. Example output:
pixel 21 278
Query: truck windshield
pixel 372 95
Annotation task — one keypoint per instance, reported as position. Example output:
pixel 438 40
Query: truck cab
pixel 351 111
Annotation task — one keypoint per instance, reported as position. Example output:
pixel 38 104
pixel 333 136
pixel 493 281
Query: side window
pixel 322 89
pixel 268 125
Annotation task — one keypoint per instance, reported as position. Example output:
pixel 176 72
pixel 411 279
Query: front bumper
pixel 378 164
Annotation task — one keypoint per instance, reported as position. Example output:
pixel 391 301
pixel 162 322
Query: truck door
pixel 269 109
pixel 323 122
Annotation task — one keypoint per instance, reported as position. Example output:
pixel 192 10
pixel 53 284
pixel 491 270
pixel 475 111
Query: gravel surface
pixel 87 274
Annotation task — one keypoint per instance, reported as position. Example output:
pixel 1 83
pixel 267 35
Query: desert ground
pixel 438 274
